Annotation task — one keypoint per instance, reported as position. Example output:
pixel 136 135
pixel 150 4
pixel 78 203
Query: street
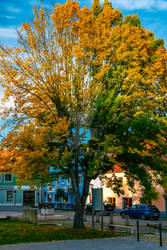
pixel 123 243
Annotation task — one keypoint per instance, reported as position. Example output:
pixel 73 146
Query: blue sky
pixel 152 13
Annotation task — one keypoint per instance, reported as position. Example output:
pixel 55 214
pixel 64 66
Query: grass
pixel 13 232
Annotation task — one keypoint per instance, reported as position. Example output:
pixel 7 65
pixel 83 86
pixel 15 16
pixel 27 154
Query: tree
pixel 49 79
pixel 32 148
pixel 75 70
pixel 96 7
pixel 130 112
pixel 106 2
pixel 137 148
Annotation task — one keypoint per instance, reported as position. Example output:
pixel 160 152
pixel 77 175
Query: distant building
pixel 61 196
pixel 11 197
pixel 129 198
pixel 60 192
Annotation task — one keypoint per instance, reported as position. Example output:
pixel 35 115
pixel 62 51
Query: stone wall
pixel 30 215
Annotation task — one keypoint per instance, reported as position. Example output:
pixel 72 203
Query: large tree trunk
pixel 80 197
pixel 78 217
pixel 80 203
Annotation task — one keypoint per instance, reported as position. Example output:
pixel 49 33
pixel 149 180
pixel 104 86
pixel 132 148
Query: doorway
pixel 28 198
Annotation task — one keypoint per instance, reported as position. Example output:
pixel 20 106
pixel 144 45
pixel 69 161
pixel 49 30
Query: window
pixel 141 207
pixel 134 207
pixel 57 199
pixel 57 182
pixel 120 179
pixel 8 178
pixel 126 202
pixel 62 180
pixel 9 196
pixel 112 201
pixel 0 177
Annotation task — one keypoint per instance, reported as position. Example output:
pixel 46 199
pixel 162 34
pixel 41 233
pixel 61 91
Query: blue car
pixel 141 211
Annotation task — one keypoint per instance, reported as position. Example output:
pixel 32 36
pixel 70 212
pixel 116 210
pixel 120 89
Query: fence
pixel 155 231
pixel 141 229
pixel 144 230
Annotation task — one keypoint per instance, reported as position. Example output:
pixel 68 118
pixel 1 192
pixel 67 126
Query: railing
pixel 148 230
pixel 155 231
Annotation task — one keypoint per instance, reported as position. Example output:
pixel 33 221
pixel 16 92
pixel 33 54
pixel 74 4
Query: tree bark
pixel 79 217
pixel 80 200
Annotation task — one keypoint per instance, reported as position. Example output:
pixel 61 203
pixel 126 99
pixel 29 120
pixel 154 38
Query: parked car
pixel 141 211
pixel 107 208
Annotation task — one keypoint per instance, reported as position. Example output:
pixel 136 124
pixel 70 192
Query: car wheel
pixel 142 217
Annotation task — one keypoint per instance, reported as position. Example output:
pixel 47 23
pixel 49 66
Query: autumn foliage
pixel 78 69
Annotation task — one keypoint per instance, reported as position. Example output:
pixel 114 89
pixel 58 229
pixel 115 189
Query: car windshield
pixel 141 206
pixel 153 207
pixel 133 207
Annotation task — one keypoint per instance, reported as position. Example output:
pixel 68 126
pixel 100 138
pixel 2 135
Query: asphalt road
pixel 69 215
pixel 125 243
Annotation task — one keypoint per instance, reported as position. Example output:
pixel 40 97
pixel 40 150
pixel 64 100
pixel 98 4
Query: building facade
pixel 60 193
pixel 12 197
pixel 61 196
pixel 128 198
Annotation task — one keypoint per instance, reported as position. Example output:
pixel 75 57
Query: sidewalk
pixel 123 243
pixel 42 218
pixel 5 214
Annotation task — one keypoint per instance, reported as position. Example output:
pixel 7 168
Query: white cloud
pixel 140 4
pixel 10 17
pixel 13 9
pixel 8 33
pixel 162 5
